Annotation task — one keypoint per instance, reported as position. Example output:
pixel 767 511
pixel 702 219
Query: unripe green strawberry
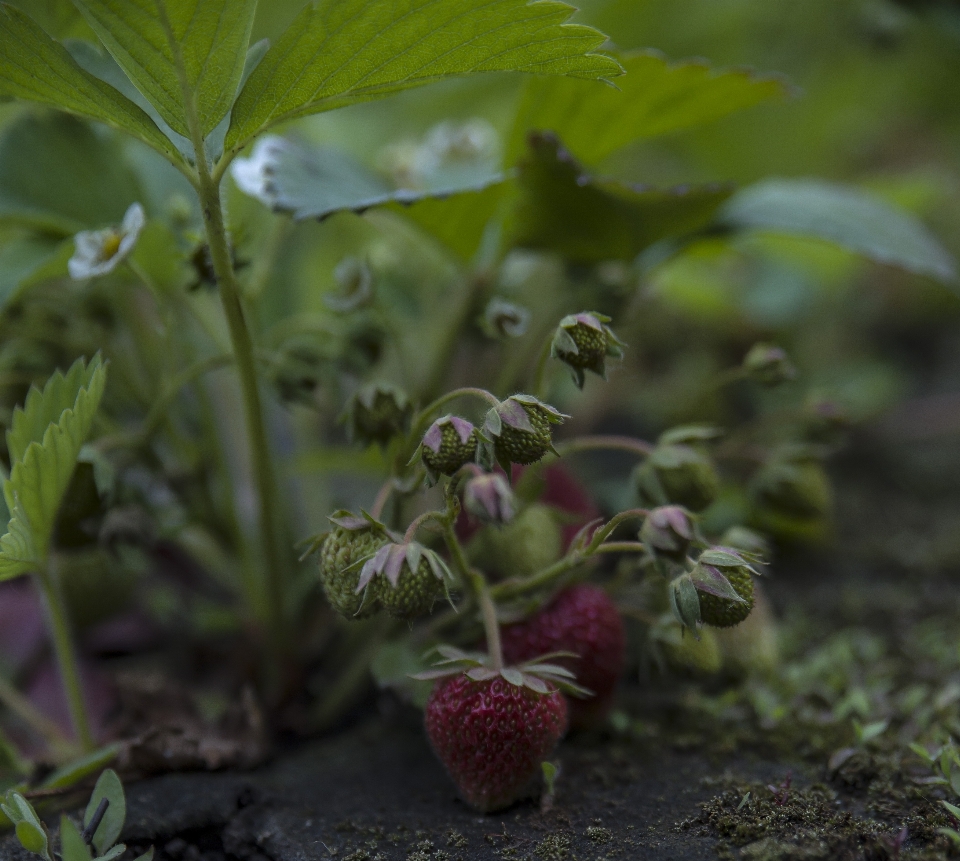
pixel 342 554
pixel 793 487
pixel 450 443
pixel 583 342
pixel 521 429
pixel 677 474
pixel 751 647
pixel 407 578
pixel 377 412
pixel 529 542
pixel 684 653
pixel 723 612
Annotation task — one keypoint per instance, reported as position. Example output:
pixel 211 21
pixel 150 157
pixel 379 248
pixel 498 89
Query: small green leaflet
pixel 340 52
pixel 843 215
pixel 109 787
pixel 654 97
pixel 164 46
pixel 44 442
pixel 36 68
pixel 560 208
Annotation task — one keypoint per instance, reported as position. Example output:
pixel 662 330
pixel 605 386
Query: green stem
pixel 515 587
pixel 242 343
pixel 540 375
pixel 423 417
pixel 481 590
pixel 490 625
pixel 605 443
pixel 66 655
pixel 426 517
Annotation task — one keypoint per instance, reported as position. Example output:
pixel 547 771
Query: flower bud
pixel 488 496
pixel 583 342
pixel 377 412
pixel 768 364
pixel 448 444
pixel 520 428
pixel 355 282
pixel 668 531
pixel 503 319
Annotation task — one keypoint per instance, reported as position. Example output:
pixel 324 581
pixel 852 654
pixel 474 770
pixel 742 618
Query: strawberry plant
pixel 291 379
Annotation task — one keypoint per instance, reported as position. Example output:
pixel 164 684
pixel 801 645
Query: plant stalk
pixel 243 349
pixel 66 655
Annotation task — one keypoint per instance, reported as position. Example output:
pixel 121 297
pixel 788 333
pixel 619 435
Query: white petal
pixel 252 175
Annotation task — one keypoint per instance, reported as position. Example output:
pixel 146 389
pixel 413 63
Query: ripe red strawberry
pixel 492 735
pixel 582 620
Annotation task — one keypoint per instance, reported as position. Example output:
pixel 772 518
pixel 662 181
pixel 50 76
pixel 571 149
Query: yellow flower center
pixel 111 245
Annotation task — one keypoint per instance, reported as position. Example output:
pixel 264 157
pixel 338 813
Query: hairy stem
pixel 242 344
pixel 605 443
pixel 66 654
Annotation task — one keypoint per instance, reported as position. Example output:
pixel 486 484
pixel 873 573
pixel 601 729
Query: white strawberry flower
pixel 97 252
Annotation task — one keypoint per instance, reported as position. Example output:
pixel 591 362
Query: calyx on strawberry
pixel 584 342
pixel 521 429
pixel 377 412
pixel 406 577
pixel 449 443
pixel 724 583
pixel 343 550
pixel 492 728
pixel 583 621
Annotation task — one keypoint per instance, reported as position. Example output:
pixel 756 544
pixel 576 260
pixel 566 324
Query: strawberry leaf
pixel 341 52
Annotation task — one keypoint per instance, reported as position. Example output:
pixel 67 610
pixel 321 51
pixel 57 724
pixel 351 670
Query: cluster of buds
pixel 710 585
pixel 365 568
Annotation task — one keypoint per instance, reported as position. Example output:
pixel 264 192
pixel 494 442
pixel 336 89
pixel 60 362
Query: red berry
pixel 492 736
pixel 582 620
